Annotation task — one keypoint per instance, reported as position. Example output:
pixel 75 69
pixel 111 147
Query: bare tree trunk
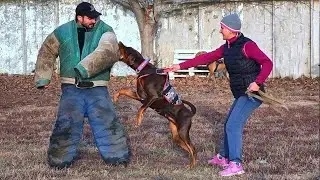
pixel 147 42
pixel 148 35
pixel 146 24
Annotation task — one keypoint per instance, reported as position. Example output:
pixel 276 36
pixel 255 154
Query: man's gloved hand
pixel 43 87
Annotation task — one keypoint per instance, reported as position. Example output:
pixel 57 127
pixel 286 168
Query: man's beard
pixel 89 26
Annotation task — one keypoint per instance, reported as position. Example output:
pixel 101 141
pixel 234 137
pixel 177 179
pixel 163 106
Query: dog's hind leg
pixel 127 92
pixel 212 68
pixel 183 131
pixel 181 137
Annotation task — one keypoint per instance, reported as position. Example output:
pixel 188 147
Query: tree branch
pixel 139 13
pixel 124 4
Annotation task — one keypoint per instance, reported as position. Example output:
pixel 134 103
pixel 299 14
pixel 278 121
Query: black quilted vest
pixel 242 71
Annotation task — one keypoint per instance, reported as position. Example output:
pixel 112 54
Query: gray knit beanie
pixel 231 22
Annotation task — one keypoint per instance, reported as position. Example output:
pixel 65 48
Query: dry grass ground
pixel 277 145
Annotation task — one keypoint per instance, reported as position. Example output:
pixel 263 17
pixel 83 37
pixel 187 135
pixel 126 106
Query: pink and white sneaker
pixel 219 161
pixel 234 168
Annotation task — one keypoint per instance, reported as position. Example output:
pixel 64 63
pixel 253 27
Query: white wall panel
pixel 292 39
pixel 315 38
pixel 11 38
pixel 179 31
pixel 40 20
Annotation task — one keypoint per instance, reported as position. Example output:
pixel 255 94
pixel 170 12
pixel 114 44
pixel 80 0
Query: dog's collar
pixel 142 65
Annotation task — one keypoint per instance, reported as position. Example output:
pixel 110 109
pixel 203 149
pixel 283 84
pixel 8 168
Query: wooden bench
pixel 181 55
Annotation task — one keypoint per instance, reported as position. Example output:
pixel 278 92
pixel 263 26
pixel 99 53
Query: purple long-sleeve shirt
pixel 250 50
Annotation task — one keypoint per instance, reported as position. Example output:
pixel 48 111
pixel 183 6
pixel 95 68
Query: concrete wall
pixel 288 32
pixel 315 38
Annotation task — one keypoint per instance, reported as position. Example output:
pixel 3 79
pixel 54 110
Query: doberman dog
pixel 154 91
pixel 215 67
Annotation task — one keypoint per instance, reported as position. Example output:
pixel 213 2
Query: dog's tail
pixel 193 108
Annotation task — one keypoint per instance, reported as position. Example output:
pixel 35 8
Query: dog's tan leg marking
pixel 211 68
pixel 183 143
pixel 142 109
pixel 226 74
pixel 127 92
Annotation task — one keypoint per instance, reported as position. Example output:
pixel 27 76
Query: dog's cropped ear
pixel 121 45
pixel 122 48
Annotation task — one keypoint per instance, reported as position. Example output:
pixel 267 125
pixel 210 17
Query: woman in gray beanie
pixel 248 68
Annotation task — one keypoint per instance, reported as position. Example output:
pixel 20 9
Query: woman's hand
pixel 173 68
pixel 253 87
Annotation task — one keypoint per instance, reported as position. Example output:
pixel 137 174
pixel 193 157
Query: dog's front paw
pixel 115 98
pixel 137 124
pixel 189 166
pixel 139 119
